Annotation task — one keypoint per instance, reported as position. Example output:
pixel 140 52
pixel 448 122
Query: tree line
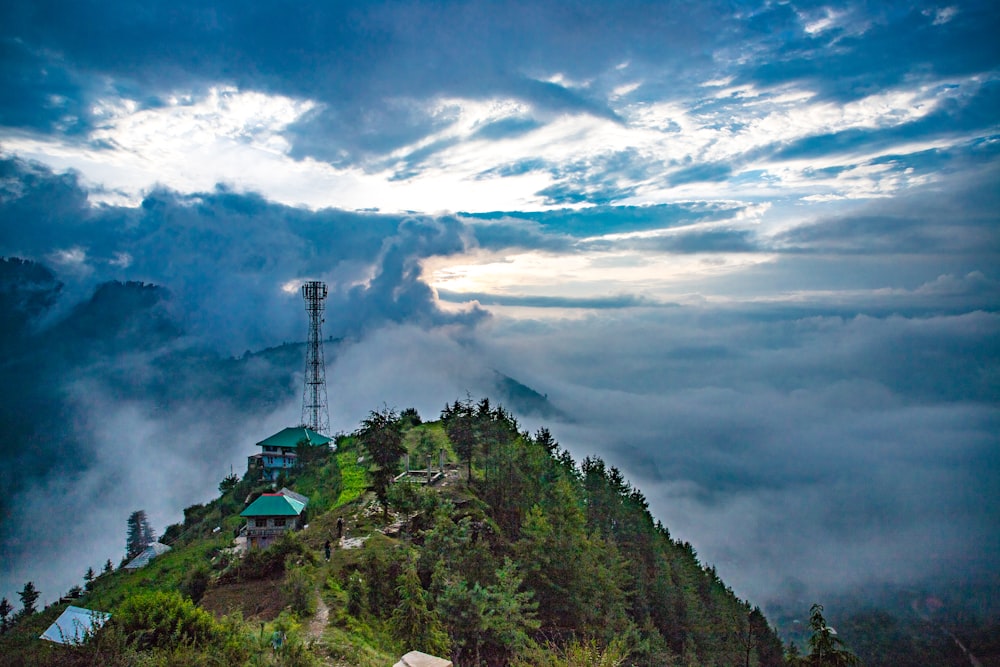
pixel 550 554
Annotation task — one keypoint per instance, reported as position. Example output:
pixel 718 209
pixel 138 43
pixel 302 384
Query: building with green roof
pixel 279 452
pixel 271 515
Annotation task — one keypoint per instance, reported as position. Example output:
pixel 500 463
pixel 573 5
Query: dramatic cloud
pixel 831 450
pixel 748 253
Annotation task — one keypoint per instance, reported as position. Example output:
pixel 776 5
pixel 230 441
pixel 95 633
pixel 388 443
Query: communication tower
pixel 315 413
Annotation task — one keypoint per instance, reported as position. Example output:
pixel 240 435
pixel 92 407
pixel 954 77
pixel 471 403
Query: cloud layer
pixel 748 252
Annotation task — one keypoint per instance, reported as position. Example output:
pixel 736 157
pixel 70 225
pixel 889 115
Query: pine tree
pixel 509 615
pixel 5 609
pixel 544 438
pixel 412 621
pixel 228 483
pixel 826 648
pixel 29 595
pixel 139 534
pixel 770 651
pixel 88 578
pixel 461 428
pixel 462 607
pixel 793 658
pixel 108 567
pixel 410 417
pixel 382 435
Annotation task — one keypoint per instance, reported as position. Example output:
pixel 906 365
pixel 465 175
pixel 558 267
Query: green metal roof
pixel 292 436
pixel 273 504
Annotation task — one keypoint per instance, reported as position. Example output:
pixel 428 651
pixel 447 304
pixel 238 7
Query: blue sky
pixel 748 249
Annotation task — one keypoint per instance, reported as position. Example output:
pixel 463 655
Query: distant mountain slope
pixel 522 398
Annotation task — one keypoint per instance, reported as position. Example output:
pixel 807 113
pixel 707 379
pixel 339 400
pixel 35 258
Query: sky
pixel 748 251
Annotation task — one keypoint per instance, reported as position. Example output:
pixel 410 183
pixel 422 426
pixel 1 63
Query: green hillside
pixel 517 555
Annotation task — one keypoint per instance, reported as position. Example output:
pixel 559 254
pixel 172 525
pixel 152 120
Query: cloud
pixel 234 251
pixel 400 106
pixel 126 454
pixel 590 303
pixel 961 223
pixel 154 422
pixel 821 448
pixel 40 92
pixel 523 187
pixel 886 48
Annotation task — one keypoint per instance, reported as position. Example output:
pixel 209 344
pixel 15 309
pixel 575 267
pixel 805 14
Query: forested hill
pixel 597 563
pixel 518 556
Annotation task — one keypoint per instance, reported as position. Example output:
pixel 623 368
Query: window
pixel 279 523
pixel 260 523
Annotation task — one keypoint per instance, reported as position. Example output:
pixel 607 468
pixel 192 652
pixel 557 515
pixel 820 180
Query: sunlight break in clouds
pixel 240 138
pixel 659 277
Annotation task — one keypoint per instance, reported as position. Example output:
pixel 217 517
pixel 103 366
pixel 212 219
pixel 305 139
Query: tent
pixel 149 553
pixel 75 625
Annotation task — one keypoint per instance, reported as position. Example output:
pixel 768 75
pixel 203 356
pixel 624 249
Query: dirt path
pixel 319 619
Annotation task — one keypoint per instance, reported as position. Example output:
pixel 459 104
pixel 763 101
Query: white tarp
pixel 418 659
pixel 75 625
pixel 148 554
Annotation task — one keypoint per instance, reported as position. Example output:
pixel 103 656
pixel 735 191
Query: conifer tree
pixel 228 483
pixel 5 609
pixel 462 607
pixel 544 438
pixel 108 567
pixel 412 621
pixel 139 534
pixel 509 612
pixel 29 595
pixel 410 417
pixel 382 436
pixel 461 428
pixel 826 648
pixel 792 656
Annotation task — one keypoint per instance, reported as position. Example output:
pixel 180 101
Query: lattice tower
pixel 315 412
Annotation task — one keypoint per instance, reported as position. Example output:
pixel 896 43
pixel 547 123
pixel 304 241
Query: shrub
pixel 270 562
pixel 195 583
pixel 300 589
pixel 163 619
pixel 357 595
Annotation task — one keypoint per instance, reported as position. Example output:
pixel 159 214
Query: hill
pixel 517 555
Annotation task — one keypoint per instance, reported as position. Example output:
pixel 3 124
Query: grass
pixel 436 433
pixel 357 644
pixel 321 485
pixel 165 572
pixel 353 477
pixel 339 483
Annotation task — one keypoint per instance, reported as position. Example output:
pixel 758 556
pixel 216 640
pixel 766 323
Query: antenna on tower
pixel 315 413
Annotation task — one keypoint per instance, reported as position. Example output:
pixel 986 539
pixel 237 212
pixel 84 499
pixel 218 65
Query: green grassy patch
pixel 353 477
pixel 321 484
pixel 165 572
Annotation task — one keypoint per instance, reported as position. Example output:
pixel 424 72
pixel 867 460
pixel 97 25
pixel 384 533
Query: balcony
pixel 268 532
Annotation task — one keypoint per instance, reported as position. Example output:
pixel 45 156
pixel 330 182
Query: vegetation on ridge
pixel 519 556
